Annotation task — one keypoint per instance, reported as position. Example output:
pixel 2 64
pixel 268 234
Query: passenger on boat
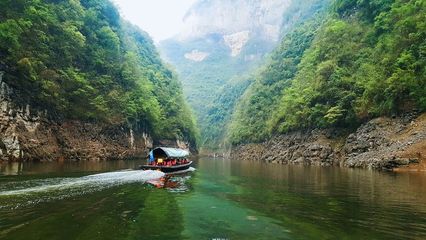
pixel 160 162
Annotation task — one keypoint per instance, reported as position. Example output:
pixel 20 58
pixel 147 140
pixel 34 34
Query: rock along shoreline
pixel 382 143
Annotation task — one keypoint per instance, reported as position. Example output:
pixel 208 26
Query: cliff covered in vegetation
pixel 222 43
pixel 78 61
pixel 362 60
pixel 365 59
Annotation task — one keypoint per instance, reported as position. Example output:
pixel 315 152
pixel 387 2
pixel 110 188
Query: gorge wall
pixel 382 143
pixel 219 49
pixel 354 69
pixel 80 82
pixel 27 135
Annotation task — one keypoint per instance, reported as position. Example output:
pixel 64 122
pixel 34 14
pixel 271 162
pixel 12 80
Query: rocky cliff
pixel 28 135
pixel 382 143
pixel 256 25
pixel 253 16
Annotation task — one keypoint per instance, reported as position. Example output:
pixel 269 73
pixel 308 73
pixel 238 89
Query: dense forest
pixel 220 111
pixel 79 60
pixel 361 60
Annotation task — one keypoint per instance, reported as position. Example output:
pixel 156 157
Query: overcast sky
pixel 160 18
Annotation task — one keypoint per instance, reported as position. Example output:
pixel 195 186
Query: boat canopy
pixel 164 152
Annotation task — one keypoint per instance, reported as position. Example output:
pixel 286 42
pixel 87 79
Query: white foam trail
pixel 88 183
pixel 190 169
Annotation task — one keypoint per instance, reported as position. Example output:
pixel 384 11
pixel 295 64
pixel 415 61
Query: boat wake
pixel 190 169
pixel 35 191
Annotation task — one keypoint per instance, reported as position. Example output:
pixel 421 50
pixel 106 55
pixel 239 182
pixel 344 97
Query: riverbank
pixel 383 143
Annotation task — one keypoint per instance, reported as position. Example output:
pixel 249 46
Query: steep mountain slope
pixel 366 59
pixel 78 60
pixel 222 43
pixel 256 106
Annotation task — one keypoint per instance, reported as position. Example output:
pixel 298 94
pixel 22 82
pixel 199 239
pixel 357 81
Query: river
pixel 222 199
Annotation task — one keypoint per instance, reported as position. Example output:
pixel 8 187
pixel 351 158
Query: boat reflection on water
pixel 175 182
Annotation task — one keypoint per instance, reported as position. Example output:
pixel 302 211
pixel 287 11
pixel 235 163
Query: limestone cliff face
pixel 29 135
pixel 234 22
pixel 263 17
pixel 196 56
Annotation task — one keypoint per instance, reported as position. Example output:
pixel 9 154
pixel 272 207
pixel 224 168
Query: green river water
pixel 222 199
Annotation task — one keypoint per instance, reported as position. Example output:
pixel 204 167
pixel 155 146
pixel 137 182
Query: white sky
pixel 160 18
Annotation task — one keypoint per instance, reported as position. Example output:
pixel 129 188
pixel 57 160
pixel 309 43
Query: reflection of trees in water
pixel 132 211
pixel 344 202
pixel 367 185
pixel 14 168
pixel 160 217
pixel 106 214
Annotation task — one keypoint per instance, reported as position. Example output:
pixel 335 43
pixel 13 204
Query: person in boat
pixel 167 159
pixel 160 162
pixel 151 158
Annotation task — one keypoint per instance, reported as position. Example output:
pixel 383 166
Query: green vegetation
pixel 80 60
pixel 220 112
pixel 256 106
pixel 214 86
pixel 367 59
pixel 204 81
pixel 201 80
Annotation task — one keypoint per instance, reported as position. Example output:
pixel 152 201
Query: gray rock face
pixel 378 143
pixel 10 120
pixel 294 148
pixel 382 143
pixel 263 17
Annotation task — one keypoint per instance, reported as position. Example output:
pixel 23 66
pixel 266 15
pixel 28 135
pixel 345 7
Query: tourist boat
pixel 168 160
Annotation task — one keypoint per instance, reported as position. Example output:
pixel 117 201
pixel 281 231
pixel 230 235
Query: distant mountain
pixel 221 44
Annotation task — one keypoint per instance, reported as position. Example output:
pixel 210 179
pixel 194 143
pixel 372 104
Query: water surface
pixel 222 199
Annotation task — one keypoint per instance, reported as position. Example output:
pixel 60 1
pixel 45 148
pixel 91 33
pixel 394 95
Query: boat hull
pixel 167 169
